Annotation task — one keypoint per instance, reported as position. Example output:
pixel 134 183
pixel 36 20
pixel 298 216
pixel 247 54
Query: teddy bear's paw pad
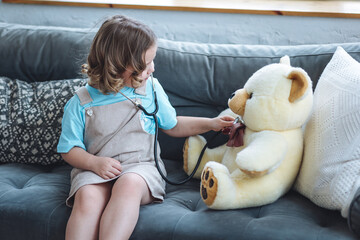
pixel 209 186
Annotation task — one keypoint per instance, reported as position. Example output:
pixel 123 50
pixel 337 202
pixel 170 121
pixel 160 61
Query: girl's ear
pixel 299 85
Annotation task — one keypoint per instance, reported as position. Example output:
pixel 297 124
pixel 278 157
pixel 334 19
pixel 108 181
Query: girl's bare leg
pixel 89 204
pixel 121 214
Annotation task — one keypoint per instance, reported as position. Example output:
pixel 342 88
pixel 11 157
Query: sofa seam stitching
pixel 250 56
pixel 49 219
pixel 173 233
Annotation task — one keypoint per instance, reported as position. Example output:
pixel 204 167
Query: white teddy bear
pixel 274 104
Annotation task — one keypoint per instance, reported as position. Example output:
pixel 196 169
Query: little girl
pixel 110 142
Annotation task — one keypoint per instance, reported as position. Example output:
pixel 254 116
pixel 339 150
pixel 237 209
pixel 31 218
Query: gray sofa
pixel 40 69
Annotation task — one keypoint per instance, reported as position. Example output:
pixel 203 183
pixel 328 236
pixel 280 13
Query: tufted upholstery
pixel 198 79
pixel 183 215
pixel 32 197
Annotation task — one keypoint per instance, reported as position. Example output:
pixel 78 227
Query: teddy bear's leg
pixel 215 181
pixel 192 148
pixel 221 189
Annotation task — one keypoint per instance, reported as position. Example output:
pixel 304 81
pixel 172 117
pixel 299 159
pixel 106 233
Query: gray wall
pixel 196 26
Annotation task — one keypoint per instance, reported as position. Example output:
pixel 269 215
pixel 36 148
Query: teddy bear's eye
pixel 250 95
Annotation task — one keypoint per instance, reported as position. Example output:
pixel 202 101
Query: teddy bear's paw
pixel 209 186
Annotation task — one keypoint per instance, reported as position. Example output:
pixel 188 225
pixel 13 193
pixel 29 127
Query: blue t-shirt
pixel 73 122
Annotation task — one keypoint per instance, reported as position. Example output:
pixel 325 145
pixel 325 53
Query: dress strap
pixel 84 96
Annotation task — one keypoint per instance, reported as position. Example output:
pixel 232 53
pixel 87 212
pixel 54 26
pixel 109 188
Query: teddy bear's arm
pixel 263 153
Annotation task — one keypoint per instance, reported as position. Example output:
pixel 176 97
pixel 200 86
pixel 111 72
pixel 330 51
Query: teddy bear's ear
pixel 298 86
pixel 285 60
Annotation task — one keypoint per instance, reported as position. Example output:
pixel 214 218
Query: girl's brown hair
pixel 121 42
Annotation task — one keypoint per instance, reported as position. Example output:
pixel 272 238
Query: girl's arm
pixel 189 126
pixel 105 167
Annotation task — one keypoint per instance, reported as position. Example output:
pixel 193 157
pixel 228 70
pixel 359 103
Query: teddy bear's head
pixel 276 97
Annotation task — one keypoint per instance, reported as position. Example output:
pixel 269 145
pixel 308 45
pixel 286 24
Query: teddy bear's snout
pixel 237 101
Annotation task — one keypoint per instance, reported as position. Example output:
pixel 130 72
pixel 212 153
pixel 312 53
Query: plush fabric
pixel 330 173
pixel 30 119
pixel 274 105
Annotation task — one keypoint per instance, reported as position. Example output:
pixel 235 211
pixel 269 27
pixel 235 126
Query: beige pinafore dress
pixel 116 130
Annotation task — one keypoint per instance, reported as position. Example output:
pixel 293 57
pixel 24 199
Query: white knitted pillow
pixel 330 172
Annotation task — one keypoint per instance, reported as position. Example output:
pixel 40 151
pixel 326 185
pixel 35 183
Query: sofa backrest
pixel 37 53
pixel 197 77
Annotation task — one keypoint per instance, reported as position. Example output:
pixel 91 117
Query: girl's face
pixel 150 67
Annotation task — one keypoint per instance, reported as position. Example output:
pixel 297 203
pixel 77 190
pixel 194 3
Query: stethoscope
pixel 153 114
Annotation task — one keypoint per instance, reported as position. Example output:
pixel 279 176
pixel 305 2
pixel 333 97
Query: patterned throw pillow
pixel 30 119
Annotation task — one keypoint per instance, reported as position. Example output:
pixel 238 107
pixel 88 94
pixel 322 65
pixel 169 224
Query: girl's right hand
pixel 106 167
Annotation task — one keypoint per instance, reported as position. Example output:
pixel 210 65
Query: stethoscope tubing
pixel 153 114
pixel 157 161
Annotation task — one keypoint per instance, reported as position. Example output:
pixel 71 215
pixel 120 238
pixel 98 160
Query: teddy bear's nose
pixel 232 95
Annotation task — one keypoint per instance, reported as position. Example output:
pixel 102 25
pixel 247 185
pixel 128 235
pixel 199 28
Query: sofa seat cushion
pixel 183 215
pixel 33 197
pixel 38 193
pixel 354 214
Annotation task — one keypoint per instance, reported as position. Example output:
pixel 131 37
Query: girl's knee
pixel 131 184
pixel 91 197
pixel 132 179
